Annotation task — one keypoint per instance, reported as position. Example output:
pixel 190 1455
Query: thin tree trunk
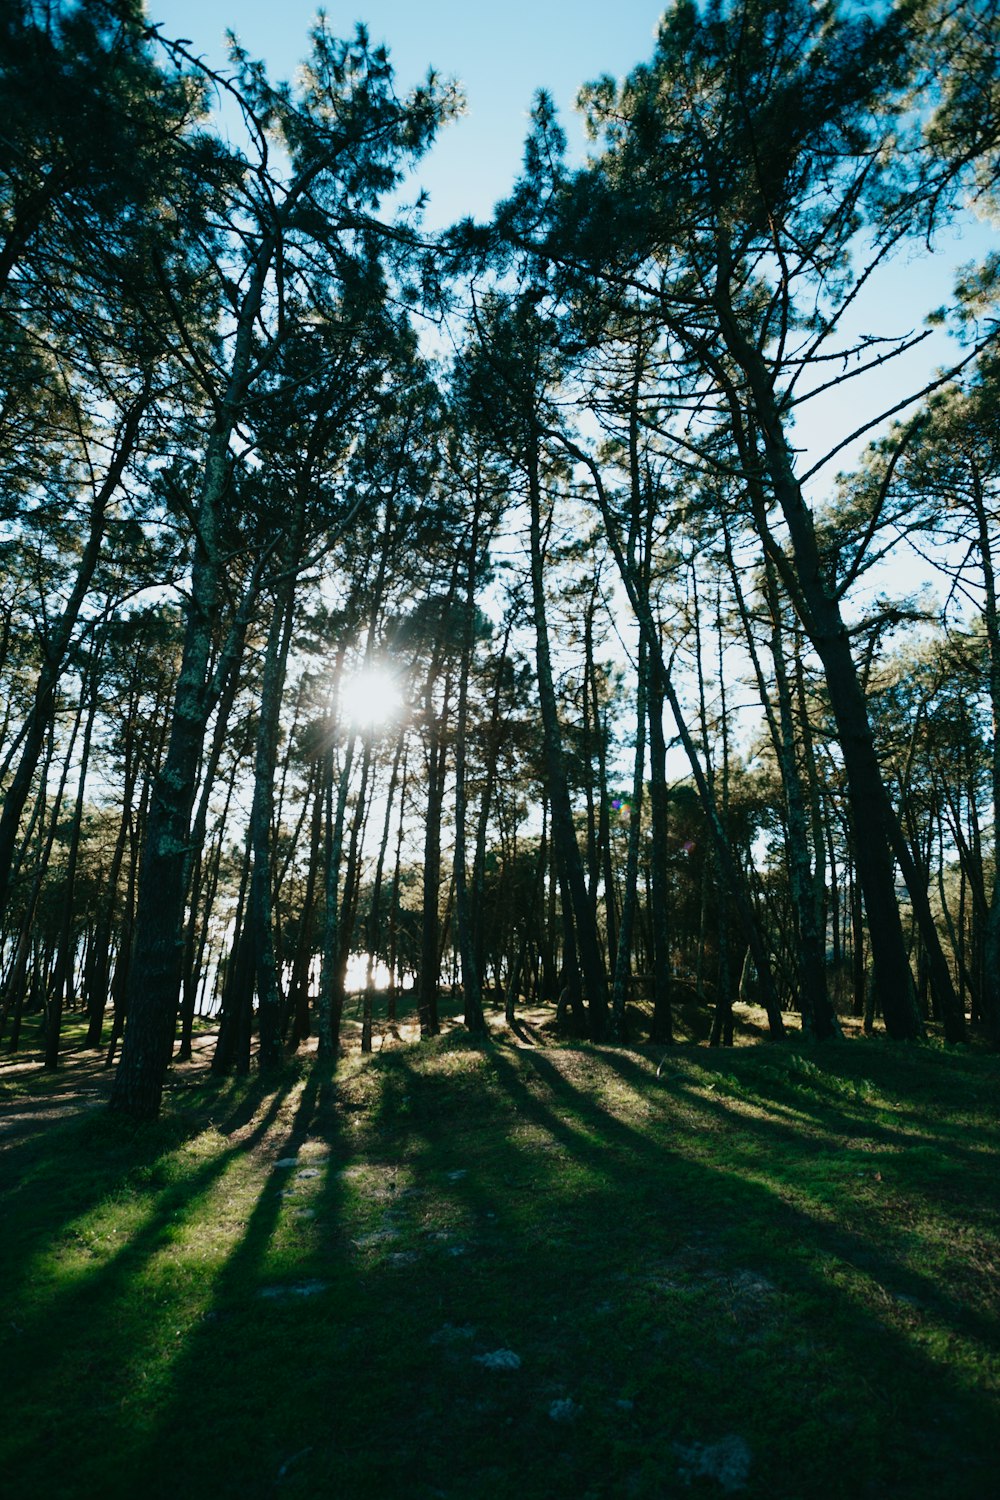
pixel 731 872
pixel 804 577
pixel 63 969
pixel 374 934
pixel 330 1004
pixel 472 997
pixel 623 955
pixel 270 1001
pixel 58 642
pixel 189 982
pixel 563 831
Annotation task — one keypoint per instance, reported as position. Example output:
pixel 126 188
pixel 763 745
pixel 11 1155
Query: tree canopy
pixel 667 568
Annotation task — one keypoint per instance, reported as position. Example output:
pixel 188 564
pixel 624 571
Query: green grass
pixel 780 1260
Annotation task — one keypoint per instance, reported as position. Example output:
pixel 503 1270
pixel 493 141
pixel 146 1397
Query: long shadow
pixel 308 1346
pixel 751 1202
pixel 829 1112
pixel 848 1245
pixel 831 1118
pixel 269 1325
pixel 854 1118
pixel 80 1325
pixel 69 1195
pixel 533 1203
pixel 537 1258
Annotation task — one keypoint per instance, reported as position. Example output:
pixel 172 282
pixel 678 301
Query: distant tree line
pixel 674 726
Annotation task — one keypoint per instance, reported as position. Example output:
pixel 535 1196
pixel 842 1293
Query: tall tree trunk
pixel 494 738
pixel 58 642
pixel 192 941
pixel 299 987
pixel 563 831
pixel 123 959
pixel 15 981
pixel 662 1027
pixel 639 600
pixel 428 977
pixel 818 1020
pixel 472 996
pixel 237 988
pixel 623 955
pixel 62 975
pixel 804 576
pixel 991 615
pixel 394 902
pixel 330 1002
pixel 269 996
pixel 156 969
pixel 374 928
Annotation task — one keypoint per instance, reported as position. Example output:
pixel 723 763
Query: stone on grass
pixel 294 1289
pixel 287 1161
pixel 404 1257
pixel 566 1410
pixel 453 1333
pixel 375 1237
pixel 500 1359
pixel 749 1285
pixel 727 1462
pixel 308 1172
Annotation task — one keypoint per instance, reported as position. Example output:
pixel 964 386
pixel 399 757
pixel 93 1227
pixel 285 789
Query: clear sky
pixel 501 53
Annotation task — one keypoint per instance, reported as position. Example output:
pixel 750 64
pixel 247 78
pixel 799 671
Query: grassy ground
pixel 517 1271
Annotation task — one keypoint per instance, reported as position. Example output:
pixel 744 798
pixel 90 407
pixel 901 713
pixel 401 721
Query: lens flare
pixel 371 698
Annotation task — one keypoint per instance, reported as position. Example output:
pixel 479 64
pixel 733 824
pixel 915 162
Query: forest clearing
pixel 488 606
pixel 500 758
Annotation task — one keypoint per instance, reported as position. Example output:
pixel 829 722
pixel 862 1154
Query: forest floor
pixel 536 1271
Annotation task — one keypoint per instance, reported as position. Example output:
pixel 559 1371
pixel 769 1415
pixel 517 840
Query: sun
pixel 371 698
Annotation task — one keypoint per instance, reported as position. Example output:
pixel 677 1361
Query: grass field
pixel 515 1271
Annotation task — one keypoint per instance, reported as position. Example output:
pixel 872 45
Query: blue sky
pixel 501 53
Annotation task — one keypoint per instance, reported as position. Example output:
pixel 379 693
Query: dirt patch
pixel 32 1098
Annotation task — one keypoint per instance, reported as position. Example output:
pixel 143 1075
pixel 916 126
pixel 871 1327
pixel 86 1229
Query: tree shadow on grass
pixel 660 1302
pixel 247 1346
pixel 315 1345
pixel 758 1238
pixel 80 1161
pixel 761 1148
pixel 86 1321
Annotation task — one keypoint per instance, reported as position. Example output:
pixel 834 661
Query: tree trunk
pixel 58 642
pixel 662 1028
pixel 804 576
pixel 270 1002
pixel 472 997
pixel 192 942
pixel 563 831
pixel 62 975
pixel 428 978
pixel 156 970
pixel 623 955
pixel 330 1002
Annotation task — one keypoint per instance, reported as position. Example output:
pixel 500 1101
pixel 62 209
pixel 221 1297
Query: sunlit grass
pixel 294 1291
